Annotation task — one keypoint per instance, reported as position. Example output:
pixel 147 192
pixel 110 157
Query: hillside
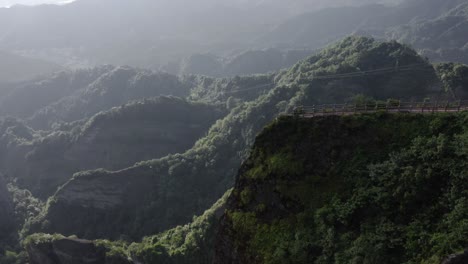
pixel 70 96
pixel 114 139
pixel 28 97
pixel 180 186
pixel 364 188
pixel 441 38
pixel 131 201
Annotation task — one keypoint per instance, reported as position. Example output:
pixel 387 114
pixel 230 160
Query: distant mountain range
pixel 145 33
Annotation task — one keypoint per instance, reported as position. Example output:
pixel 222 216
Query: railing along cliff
pixel 390 107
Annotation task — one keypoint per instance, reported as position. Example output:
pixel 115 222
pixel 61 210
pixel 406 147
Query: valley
pixel 331 133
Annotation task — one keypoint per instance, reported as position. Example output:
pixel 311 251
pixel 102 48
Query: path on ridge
pixel 389 107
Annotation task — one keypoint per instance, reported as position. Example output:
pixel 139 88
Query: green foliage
pixel 192 243
pixel 364 193
pixel 11 257
pixel 454 77
pixel 182 185
pixel 174 188
pixel 146 129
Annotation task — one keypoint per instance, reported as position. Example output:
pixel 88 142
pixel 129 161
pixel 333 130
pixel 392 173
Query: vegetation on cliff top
pixel 365 189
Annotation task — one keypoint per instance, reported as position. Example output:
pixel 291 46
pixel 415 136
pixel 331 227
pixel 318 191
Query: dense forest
pixel 198 151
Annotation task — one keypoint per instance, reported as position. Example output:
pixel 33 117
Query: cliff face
pixel 363 189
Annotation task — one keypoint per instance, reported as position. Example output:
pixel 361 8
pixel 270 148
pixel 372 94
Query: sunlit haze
pixel 233 131
pixel 8 3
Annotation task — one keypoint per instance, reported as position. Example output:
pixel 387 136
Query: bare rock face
pixel 69 251
pixel 461 258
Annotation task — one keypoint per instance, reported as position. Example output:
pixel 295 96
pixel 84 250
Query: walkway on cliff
pixel 389 107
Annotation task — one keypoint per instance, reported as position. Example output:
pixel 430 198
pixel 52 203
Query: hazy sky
pixel 7 3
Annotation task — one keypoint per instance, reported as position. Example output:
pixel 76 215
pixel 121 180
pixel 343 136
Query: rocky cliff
pixel 362 189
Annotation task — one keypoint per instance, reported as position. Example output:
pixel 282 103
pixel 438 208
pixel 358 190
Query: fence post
pixel 446 106
pixel 459 105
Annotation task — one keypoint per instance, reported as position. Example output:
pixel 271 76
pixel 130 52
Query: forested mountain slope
pixel 27 97
pixel 442 38
pixel 74 95
pixel 113 139
pixel 163 191
pixel 366 189
pixel 183 185
pixel 436 28
pixel 362 189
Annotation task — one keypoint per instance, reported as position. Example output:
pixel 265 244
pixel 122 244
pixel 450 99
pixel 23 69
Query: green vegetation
pixel 182 185
pixel 455 78
pixel 146 129
pixel 191 243
pixel 212 131
pixel 375 189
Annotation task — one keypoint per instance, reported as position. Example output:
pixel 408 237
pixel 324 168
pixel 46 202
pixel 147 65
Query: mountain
pixel 143 33
pixel 362 189
pixel 175 188
pixel 77 94
pixel 435 28
pixel 441 38
pixel 131 201
pixel 319 28
pixel 28 97
pixel 114 139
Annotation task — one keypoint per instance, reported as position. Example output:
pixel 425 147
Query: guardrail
pixel 390 106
